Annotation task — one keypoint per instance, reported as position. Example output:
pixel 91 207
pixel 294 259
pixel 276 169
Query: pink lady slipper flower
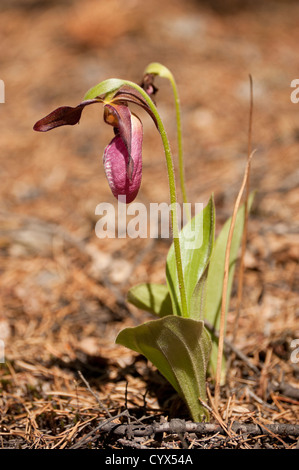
pixel 123 156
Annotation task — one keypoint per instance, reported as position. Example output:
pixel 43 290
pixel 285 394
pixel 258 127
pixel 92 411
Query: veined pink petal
pixel 119 116
pixel 116 159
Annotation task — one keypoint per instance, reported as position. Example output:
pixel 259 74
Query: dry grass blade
pixel 244 238
pixel 225 283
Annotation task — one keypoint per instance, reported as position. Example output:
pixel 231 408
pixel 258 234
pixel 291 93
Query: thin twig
pixel 259 400
pixel 131 444
pixel 100 426
pixel 112 426
pixel 232 348
pixel 272 433
pixel 94 394
pixel 179 426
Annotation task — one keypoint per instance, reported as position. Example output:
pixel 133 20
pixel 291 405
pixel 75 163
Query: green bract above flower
pixel 123 156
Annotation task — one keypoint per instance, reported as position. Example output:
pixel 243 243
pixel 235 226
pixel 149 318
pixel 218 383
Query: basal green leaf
pixel 196 242
pixel 153 298
pixel 179 348
pixel 198 297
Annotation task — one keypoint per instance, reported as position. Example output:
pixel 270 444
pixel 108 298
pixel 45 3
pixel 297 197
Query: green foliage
pixel 153 298
pixel 196 242
pixel 177 343
pixel 179 348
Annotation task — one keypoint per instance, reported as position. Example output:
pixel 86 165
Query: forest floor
pixel 63 289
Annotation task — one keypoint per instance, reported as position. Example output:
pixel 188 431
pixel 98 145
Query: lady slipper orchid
pixel 123 156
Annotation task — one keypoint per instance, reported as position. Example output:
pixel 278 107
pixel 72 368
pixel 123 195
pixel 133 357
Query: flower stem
pixel 173 197
pixel 158 69
pixel 180 141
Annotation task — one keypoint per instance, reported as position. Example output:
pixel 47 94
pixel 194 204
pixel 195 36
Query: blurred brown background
pixel 62 289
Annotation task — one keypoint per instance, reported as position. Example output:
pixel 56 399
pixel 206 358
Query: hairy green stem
pixel 158 69
pixel 173 198
pixel 180 141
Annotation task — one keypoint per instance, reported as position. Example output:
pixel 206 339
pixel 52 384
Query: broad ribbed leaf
pixel 196 242
pixel 153 298
pixel 179 348
pixel 198 297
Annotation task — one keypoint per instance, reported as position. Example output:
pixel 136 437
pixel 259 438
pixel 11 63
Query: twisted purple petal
pixel 65 115
pixel 116 159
